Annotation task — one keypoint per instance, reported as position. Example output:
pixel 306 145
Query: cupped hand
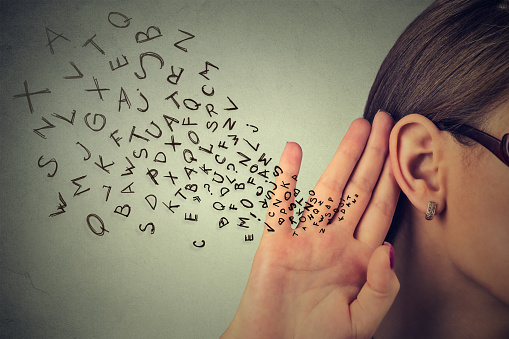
pixel 329 276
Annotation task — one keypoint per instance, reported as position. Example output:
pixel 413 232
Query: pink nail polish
pixel 391 254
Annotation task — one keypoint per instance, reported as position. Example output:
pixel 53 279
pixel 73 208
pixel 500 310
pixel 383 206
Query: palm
pixel 295 278
pixel 306 282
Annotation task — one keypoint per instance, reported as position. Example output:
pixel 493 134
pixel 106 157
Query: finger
pixel 363 180
pixel 333 180
pixel 279 215
pixel 377 294
pixel 377 218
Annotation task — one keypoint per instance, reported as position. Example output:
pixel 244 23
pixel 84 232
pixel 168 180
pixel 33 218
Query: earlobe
pixel 416 159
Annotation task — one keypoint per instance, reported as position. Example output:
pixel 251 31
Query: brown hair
pixel 450 64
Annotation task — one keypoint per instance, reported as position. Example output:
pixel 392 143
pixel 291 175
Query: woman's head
pixel 451 65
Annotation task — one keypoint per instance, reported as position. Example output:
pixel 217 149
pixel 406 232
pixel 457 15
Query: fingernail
pixel 381 110
pixel 391 253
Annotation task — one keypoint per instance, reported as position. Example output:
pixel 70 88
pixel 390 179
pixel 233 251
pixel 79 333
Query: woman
pixel 445 80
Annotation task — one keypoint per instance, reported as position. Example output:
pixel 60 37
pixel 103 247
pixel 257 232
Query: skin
pixel 455 272
pixel 336 284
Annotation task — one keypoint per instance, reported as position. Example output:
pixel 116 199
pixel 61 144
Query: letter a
pixel 50 42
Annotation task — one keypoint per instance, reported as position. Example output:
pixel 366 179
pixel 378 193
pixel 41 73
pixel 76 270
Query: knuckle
pixel 377 148
pixel 364 184
pixel 330 183
pixel 384 207
pixel 350 153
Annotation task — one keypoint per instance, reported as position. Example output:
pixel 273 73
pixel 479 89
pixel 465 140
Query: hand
pixel 323 280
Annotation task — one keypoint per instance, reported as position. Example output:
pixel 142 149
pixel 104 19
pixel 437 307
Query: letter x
pixel 27 94
pixel 97 89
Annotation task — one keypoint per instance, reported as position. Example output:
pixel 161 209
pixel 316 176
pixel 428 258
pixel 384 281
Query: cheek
pixel 478 225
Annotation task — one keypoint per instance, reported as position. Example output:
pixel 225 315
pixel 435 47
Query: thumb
pixel 377 294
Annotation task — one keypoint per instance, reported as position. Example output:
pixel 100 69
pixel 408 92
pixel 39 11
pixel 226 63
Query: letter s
pixel 50 175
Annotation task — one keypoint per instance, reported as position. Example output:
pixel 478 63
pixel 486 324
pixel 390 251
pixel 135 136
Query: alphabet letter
pixel 178 42
pixel 147 35
pixel 151 54
pixel 127 20
pixel 74 181
pixel 118 63
pixel 95 118
pixel 174 76
pixel 99 233
pixel 152 229
pixel 50 42
pixel 120 210
pixel 50 175
pixel 152 204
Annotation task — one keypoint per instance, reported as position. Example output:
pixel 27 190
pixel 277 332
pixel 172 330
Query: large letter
pixel 178 42
pixel 101 233
pixel 147 35
pixel 151 54
pixel 50 42
pixel 50 175
pixel 95 118
pixel 127 20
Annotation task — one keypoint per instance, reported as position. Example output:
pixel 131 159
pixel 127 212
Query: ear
pixel 417 161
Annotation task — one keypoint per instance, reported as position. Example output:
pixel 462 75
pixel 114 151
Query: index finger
pixel 283 193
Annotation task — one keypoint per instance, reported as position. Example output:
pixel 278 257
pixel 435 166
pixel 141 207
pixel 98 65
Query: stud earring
pixel 430 213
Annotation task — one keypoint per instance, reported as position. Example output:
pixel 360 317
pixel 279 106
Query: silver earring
pixel 432 208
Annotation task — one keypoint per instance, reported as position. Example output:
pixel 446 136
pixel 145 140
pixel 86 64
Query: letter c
pixel 199 246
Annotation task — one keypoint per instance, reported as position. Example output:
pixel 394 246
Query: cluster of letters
pixel 176 133
pixel 175 130
pixel 300 212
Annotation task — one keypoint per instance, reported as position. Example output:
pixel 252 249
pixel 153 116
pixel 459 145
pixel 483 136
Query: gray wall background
pixel 297 71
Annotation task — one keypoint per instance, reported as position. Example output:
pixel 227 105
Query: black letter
pixel 147 35
pixel 152 54
pixel 126 19
pixel 50 42
pixel 50 175
pixel 178 42
pixel 101 233
pixel 95 118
